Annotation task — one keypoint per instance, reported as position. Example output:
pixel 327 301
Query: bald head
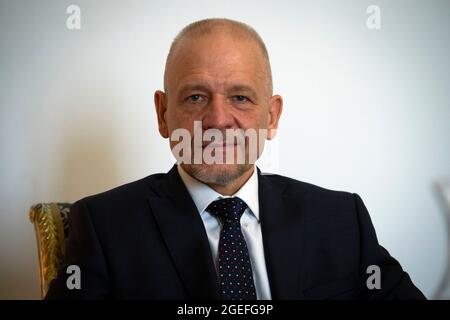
pixel 215 27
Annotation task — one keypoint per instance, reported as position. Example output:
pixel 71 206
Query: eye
pixel 195 98
pixel 240 98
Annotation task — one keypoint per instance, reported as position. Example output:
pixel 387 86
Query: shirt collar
pixel 203 195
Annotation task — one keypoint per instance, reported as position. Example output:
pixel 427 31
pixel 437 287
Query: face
pixel 223 82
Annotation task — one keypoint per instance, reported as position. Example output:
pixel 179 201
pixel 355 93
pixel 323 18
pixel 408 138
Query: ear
pixel 275 109
pixel 161 108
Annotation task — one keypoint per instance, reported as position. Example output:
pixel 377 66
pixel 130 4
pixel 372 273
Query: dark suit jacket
pixel 146 240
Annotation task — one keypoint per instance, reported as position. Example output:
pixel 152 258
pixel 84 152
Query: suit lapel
pixel 282 231
pixel 185 237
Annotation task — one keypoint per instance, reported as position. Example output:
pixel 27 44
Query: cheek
pixel 176 119
pixel 255 120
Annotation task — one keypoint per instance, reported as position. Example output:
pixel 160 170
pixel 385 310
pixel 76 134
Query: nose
pixel 218 114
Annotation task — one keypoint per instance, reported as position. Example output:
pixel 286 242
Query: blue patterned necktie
pixel 235 269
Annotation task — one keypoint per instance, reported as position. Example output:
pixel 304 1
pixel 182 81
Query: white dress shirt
pixel 203 195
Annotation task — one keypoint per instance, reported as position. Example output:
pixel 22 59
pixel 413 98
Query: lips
pixel 218 145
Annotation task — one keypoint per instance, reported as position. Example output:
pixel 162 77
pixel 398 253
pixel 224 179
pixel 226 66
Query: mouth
pixel 218 145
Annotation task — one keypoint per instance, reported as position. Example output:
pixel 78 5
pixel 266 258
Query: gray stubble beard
pixel 222 178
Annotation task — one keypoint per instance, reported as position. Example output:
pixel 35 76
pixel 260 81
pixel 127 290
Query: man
pixel 216 229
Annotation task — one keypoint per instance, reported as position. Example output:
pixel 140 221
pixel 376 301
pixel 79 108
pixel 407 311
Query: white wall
pixel 365 111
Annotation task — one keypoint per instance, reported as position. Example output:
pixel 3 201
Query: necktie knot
pixel 228 209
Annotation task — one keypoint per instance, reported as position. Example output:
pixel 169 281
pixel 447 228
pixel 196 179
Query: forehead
pixel 218 60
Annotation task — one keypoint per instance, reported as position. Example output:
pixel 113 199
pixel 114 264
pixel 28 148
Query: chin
pixel 221 174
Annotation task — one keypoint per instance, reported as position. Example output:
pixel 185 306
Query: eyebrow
pixel 194 87
pixel 243 88
pixel 205 87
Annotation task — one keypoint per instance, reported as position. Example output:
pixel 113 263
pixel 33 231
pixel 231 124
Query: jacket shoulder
pixel 295 187
pixel 126 194
pixel 315 199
